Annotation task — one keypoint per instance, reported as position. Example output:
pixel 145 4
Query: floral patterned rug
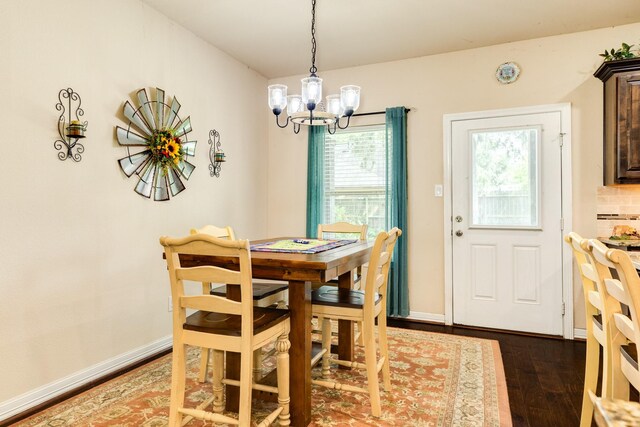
pixel 438 380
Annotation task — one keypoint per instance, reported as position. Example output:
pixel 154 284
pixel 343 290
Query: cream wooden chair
pixel 625 331
pixel 340 229
pixel 264 295
pixel 598 306
pixel 363 306
pixel 222 325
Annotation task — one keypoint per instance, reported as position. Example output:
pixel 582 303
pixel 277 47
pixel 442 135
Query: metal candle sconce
pixel 70 131
pixel 216 155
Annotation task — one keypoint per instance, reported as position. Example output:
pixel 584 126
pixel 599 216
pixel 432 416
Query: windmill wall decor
pixel 158 129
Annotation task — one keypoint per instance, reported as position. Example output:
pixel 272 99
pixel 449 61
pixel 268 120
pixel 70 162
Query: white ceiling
pixel 273 37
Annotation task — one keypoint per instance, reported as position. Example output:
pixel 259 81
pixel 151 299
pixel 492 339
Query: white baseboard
pixel 21 403
pixel 580 333
pixel 429 317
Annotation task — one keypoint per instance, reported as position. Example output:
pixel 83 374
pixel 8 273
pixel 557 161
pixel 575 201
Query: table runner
pixel 299 246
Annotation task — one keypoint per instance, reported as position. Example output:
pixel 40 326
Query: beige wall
pixel 554 69
pixel 81 274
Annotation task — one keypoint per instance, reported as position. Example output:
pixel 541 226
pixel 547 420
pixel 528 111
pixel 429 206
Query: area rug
pixel 438 380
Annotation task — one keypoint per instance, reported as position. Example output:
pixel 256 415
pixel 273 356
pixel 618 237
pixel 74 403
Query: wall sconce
pixel 70 131
pixel 216 155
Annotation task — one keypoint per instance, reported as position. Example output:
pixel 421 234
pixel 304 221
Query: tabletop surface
pixel 318 267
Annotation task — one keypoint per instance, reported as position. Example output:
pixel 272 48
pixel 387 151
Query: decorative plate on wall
pixel 156 126
pixel 507 72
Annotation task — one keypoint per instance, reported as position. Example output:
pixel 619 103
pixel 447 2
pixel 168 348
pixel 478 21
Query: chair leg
pixel 178 377
pixel 282 366
pixel 326 345
pixel 384 350
pixel 590 378
pixel 371 364
pixel 218 374
pixel 204 364
pixel 246 370
pixel 257 365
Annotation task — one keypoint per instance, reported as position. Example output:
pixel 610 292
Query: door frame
pixel 566 207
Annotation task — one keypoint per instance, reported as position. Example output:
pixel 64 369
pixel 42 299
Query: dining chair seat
pixel 261 292
pixel 335 297
pixel 230 324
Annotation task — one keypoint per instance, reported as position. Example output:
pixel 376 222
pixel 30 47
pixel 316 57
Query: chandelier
pixel 307 109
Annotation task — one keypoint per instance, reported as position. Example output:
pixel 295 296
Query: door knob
pixel 459 233
pixel 458 218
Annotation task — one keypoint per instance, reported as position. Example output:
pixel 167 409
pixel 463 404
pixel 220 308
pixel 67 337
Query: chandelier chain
pixel 313 68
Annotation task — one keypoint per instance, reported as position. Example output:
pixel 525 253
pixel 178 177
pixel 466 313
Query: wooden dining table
pixel 300 270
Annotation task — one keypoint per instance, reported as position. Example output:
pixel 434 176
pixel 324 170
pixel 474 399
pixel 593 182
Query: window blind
pixel 355 174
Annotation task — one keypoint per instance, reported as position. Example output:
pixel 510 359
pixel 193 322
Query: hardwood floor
pixel 544 375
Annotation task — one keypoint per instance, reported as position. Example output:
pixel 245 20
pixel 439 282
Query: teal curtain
pixel 315 176
pixel 398 288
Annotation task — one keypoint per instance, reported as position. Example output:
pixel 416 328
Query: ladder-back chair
pixel 222 325
pixel 365 306
pixel 624 333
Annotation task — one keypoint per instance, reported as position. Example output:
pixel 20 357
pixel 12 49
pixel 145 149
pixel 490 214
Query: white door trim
pixel 567 268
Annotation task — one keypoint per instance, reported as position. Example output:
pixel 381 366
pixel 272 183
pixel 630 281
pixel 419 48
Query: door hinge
pixel 561 224
pixel 562 134
pixel 563 309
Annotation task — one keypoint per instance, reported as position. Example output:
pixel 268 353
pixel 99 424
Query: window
pixel 504 184
pixel 355 177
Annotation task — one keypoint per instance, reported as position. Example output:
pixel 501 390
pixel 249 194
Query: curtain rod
pixel 375 113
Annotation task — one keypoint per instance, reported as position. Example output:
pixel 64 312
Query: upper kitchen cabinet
pixel 621 80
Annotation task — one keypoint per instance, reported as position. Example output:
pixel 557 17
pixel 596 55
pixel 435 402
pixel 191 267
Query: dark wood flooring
pixel 544 375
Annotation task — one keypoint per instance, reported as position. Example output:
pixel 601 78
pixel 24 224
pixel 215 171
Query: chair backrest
pixel 625 290
pixel 212 230
pixel 379 264
pixel 206 245
pixel 588 273
pixel 343 228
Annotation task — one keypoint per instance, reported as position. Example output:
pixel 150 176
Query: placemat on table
pixel 297 246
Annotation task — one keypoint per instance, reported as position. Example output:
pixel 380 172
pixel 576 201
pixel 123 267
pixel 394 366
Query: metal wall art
pixel 70 130
pixel 156 126
pixel 216 155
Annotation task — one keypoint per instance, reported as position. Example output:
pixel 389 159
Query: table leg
pixel 345 327
pixel 300 352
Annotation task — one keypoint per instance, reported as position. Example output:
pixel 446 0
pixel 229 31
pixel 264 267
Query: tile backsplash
pixel 618 205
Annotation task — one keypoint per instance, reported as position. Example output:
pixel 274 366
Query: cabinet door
pixel 628 131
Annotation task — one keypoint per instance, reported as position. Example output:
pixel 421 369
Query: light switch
pixel 438 190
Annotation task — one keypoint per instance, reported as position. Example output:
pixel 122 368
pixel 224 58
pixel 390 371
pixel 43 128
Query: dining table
pixel 300 270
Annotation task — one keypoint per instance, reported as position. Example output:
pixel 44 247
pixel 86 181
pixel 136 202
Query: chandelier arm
pixel 334 128
pixel 313 68
pixel 296 128
pixel 285 123
pixel 345 126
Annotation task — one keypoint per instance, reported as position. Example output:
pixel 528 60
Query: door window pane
pixel 505 178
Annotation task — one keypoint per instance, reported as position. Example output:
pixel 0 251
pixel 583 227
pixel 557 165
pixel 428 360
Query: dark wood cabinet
pixel 621 120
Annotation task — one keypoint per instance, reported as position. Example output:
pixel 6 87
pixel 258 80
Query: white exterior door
pixel 506 205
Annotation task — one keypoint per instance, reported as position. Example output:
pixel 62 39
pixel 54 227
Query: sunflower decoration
pixel 156 126
pixel 166 149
